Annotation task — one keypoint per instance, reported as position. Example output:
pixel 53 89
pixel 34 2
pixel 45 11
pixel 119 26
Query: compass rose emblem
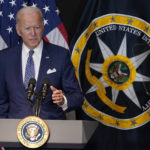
pixel 117 79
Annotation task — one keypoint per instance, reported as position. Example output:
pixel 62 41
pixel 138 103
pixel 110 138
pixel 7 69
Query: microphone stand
pixel 39 100
pixel 36 109
pixel 37 105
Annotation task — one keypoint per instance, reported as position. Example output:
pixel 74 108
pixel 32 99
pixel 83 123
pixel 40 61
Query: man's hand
pixel 57 96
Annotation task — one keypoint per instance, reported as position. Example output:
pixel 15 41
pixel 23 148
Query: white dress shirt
pixel 37 60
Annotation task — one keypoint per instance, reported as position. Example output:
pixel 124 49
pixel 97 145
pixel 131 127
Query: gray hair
pixel 28 9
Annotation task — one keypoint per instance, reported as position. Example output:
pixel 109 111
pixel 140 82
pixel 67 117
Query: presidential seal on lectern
pixel 32 132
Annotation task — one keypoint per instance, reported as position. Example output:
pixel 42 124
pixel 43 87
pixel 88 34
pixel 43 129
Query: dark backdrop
pixel 70 12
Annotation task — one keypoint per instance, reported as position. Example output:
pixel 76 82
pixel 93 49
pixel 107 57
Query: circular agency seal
pixel 110 58
pixel 32 132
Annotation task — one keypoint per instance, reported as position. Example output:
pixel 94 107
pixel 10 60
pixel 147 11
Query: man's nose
pixel 33 31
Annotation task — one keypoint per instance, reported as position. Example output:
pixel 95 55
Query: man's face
pixel 30 28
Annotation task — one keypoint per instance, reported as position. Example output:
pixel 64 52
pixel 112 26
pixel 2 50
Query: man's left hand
pixel 57 96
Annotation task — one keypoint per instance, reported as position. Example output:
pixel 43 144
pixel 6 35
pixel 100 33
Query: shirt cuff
pixel 65 105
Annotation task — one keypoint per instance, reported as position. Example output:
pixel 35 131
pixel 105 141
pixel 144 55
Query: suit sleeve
pixel 70 85
pixel 3 94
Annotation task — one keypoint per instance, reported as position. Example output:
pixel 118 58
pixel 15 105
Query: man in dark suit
pixel 49 61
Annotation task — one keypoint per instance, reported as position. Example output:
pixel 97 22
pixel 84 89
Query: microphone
pixel 45 88
pixel 30 89
pixel 42 93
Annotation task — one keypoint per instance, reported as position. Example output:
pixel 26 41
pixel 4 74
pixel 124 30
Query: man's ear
pixel 18 29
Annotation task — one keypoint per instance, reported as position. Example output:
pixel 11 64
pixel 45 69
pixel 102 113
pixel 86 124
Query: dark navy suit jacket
pixel 13 99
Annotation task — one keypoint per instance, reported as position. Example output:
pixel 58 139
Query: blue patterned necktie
pixel 29 72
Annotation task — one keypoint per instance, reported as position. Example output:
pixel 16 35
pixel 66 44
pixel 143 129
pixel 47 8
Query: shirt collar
pixel 37 50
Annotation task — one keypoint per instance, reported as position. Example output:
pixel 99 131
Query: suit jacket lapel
pixel 46 62
pixel 18 69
